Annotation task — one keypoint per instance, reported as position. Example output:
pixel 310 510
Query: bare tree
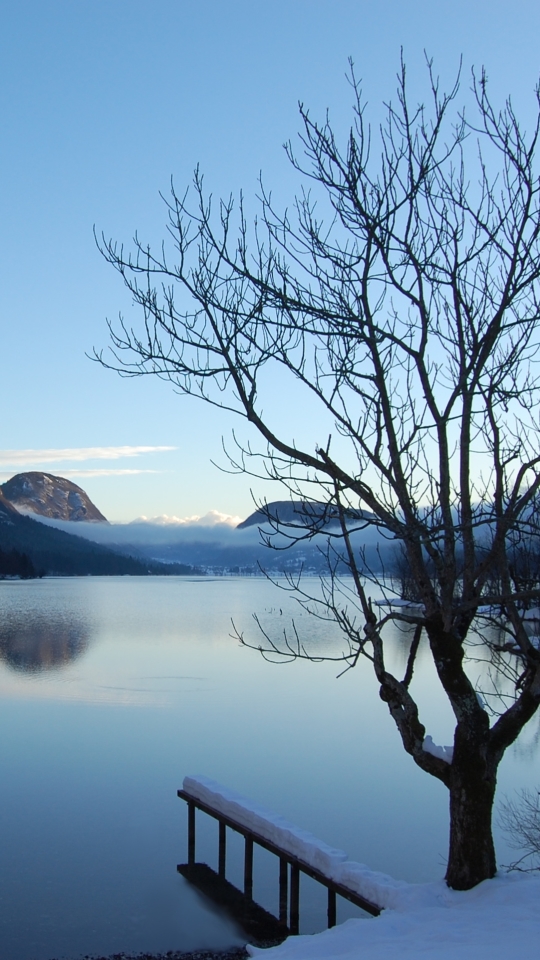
pixel 401 294
pixel 520 820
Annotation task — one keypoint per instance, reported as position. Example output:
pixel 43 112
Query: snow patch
pixel 497 920
pixel 398 602
pixel 376 887
pixel 444 753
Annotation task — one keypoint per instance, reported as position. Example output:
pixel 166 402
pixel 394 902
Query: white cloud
pixel 23 458
pixel 104 472
pixel 211 519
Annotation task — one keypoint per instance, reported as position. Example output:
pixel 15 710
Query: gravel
pixel 237 953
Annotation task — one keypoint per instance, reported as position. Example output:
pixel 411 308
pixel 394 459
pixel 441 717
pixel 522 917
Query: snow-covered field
pixel 498 920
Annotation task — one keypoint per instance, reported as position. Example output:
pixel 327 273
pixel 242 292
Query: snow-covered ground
pixel 498 920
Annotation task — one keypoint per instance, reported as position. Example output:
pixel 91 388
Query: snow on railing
pixel 290 838
pixel 371 886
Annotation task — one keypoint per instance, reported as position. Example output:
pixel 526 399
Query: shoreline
pixel 233 953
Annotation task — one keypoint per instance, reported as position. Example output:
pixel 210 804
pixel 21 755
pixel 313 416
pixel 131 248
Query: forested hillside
pixel 52 551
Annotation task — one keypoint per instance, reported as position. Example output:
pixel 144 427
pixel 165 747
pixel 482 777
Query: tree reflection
pixel 33 646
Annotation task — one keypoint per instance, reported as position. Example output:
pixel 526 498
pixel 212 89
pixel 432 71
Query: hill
pixel 49 496
pixel 297 513
pixel 53 551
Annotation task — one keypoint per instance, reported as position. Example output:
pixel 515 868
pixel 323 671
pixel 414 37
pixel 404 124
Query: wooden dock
pixel 290 868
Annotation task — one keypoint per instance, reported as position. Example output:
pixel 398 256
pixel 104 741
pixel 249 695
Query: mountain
pixel 155 547
pixel 50 496
pixel 299 513
pixel 7 509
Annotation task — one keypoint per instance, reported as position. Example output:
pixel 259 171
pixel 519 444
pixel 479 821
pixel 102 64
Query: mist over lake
pixel 218 543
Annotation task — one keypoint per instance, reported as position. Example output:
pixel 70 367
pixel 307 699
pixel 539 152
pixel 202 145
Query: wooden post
pixel 191 833
pixel 248 868
pixel 294 921
pixel 331 907
pixel 222 848
pixel 283 890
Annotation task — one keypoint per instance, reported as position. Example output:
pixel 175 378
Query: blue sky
pixel 101 102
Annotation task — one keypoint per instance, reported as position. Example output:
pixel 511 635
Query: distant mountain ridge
pixel 62 532
pixel 298 513
pixel 49 496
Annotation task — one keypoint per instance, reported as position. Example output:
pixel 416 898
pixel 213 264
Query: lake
pixel 113 689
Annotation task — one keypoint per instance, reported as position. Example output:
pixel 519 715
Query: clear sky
pixel 101 102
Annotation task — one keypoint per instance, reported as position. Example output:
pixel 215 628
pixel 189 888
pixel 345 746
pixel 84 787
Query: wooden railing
pixel 290 867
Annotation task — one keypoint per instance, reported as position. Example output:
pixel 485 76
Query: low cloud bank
pixel 214 540
pixel 212 527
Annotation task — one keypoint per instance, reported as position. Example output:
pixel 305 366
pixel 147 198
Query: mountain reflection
pixel 45 644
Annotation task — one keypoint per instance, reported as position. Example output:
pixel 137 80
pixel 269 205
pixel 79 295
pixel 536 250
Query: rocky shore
pixel 236 953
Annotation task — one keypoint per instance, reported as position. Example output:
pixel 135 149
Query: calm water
pixel 113 689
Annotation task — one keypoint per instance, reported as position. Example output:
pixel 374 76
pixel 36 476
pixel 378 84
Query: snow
pixel 397 602
pixel 376 887
pixel 497 920
pixel 299 843
pixel 444 753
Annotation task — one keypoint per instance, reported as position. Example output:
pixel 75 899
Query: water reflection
pixel 399 640
pixel 35 645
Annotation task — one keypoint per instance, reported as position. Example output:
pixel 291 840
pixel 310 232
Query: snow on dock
pixel 372 886
pixel 256 818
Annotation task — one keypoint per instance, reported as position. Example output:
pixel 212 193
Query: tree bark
pixel 472 774
pixel 471 857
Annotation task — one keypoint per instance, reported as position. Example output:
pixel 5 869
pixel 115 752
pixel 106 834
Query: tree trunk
pixel 472 853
